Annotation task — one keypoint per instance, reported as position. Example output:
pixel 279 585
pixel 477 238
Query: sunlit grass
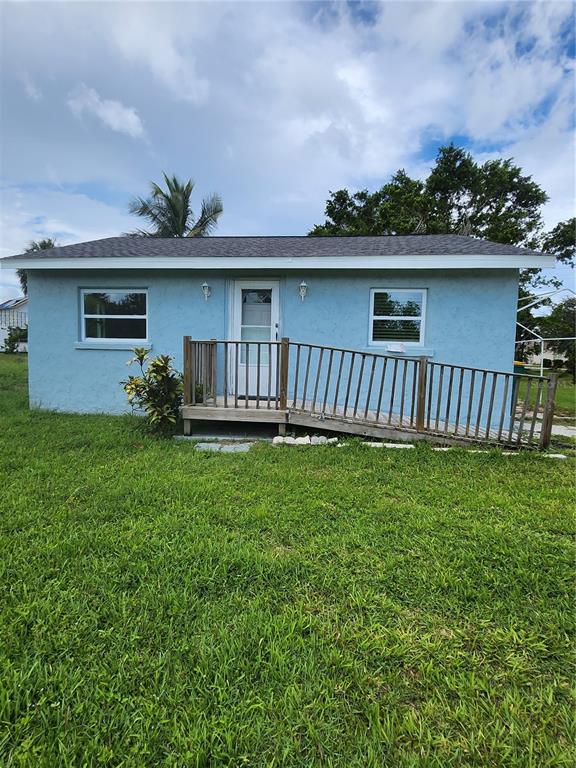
pixel 284 607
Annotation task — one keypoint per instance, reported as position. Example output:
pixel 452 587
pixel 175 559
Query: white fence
pixel 13 318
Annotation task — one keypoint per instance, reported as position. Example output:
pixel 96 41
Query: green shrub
pixel 157 390
pixel 15 337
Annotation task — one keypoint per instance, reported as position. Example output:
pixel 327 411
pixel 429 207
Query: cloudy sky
pixel 271 104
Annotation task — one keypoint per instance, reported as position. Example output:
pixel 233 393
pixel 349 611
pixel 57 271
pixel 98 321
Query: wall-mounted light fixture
pixel 206 290
pixel 302 289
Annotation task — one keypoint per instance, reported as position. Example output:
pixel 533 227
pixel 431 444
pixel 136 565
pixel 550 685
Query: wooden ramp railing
pixel 365 393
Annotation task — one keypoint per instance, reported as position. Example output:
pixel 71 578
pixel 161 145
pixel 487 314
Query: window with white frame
pixel 397 315
pixel 116 314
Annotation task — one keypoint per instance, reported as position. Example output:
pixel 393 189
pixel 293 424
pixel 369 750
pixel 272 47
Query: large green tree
pixel 169 211
pixel 35 245
pixel 494 200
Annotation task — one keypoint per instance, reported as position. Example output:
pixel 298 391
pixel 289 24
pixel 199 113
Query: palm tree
pixel 35 245
pixel 170 214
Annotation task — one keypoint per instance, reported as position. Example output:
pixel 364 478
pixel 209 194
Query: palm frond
pixel 212 208
pixel 169 210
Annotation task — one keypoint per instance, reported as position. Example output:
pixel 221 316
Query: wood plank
pixel 480 405
pixel 236 355
pixel 359 385
pixel 327 387
pixel 470 402
pixel 413 397
pixel 421 394
pixel 296 375
pixel 226 364
pixel 393 393
pixel 491 404
pixel 431 368
pixel 337 388
pixel 187 383
pixel 503 407
pixel 317 381
pixel 449 399
pixel 548 415
pixel 209 413
pixel 277 384
pixel 370 382
pixel 213 369
pixel 284 366
pixel 258 357
pixel 350 374
pixel 515 393
pixel 535 412
pixel 439 398
pixel 357 427
pixel 306 375
pixel 403 391
pixel 381 390
pixel 269 375
pixel 524 409
pixel 194 371
pixel 459 399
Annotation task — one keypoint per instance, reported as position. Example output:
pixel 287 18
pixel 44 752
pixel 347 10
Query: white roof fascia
pixel 466 261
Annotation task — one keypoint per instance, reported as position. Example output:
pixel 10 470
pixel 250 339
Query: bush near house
pixel 348 607
pixel 14 338
pixel 157 389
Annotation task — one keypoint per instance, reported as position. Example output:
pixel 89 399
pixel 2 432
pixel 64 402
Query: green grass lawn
pixel 286 607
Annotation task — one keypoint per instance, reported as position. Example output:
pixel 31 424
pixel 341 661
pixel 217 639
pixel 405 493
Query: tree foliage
pixel 169 211
pixel 34 245
pixel 561 241
pixel 561 322
pixel 494 200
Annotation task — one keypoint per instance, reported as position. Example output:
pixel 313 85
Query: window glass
pixel 115 328
pixel 397 315
pixel 115 303
pixel 257 307
pixel 396 330
pixel 395 303
pixel 115 314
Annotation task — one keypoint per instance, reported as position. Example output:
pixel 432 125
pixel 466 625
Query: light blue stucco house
pixel 450 298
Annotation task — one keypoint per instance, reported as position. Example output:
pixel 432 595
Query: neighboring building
pixel 448 297
pixel 13 314
pixel 535 356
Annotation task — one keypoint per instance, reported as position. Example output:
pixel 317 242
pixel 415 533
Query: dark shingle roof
pixel 288 247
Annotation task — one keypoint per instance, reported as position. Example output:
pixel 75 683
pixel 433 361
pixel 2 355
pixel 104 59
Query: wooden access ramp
pixel 363 393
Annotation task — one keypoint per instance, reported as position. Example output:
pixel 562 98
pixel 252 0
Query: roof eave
pixel 464 261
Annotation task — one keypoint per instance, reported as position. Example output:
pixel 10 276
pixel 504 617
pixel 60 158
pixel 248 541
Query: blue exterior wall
pixel 470 320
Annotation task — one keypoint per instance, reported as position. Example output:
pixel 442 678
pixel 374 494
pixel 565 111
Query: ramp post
pixel 421 393
pixel 283 374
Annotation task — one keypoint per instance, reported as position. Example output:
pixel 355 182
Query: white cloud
pixel 113 114
pixel 273 104
pixel 27 215
pixel 30 88
pixel 147 38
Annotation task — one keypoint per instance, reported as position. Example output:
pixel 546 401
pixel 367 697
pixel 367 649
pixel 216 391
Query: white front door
pixel 255 317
